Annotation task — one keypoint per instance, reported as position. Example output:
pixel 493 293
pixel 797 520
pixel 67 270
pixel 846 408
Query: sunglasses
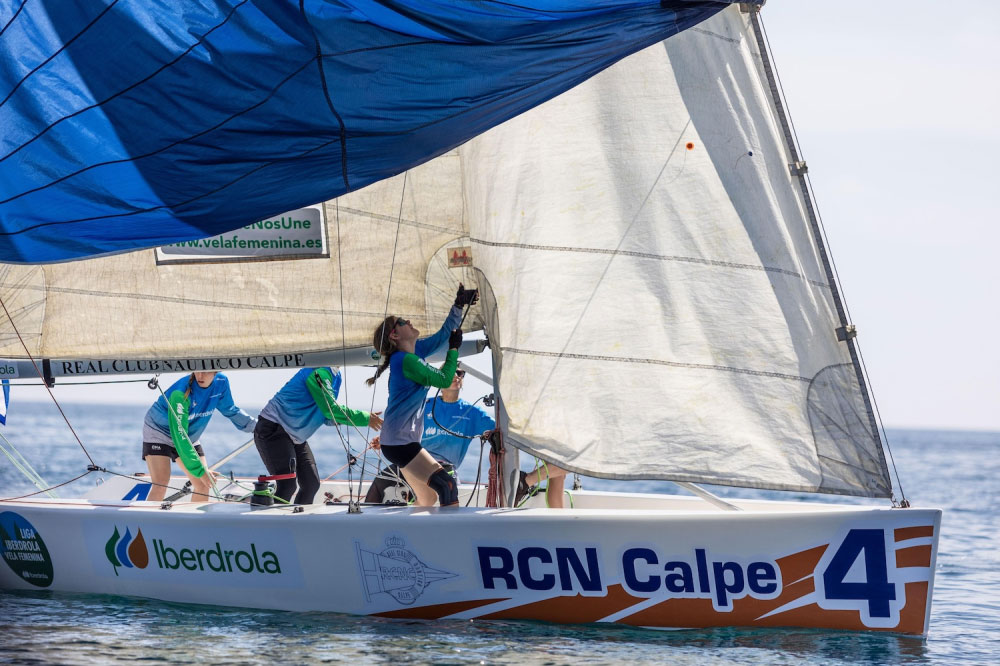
pixel 401 322
pixel 460 373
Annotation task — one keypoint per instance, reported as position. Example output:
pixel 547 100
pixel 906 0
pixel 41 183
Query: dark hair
pixel 383 345
pixel 187 391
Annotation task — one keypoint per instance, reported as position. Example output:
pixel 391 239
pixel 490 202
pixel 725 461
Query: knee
pixel 307 491
pixel 444 485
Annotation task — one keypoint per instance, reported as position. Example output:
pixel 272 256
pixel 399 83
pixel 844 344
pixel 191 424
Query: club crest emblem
pixel 395 571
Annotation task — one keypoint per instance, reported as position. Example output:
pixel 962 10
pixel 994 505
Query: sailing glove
pixel 465 296
pixel 455 339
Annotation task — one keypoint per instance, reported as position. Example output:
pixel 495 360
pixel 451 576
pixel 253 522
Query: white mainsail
pixel 655 295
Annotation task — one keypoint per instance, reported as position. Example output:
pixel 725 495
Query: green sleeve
pixel 354 417
pixel 417 370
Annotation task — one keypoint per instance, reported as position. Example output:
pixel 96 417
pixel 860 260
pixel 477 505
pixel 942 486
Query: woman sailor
pixel 189 401
pixel 306 402
pixel 409 378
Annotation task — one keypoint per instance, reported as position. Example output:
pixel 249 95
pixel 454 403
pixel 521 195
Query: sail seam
pixel 162 149
pixel 13 18
pixel 388 218
pixel 192 301
pixel 659 257
pixel 52 57
pixel 653 361
pixel 326 95
pixel 145 79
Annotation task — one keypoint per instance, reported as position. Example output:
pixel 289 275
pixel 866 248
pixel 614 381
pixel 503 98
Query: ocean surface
pixel 956 471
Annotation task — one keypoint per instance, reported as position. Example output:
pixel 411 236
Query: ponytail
pixel 384 346
pixel 187 391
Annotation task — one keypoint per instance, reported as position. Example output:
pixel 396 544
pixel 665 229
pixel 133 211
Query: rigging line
pixel 109 381
pixel 794 144
pixel 388 294
pixel 607 267
pixel 340 278
pixel 22 465
pixel 41 376
pixel 62 48
pixel 45 490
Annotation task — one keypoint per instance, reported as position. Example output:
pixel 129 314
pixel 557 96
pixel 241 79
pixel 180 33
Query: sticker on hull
pixel 865 579
pixel 23 550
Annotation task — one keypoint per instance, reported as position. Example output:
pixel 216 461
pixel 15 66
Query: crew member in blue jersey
pixel 446 411
pixel 306 402
pixel 205 393
pixel 409 378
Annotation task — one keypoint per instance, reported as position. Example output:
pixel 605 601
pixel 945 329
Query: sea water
pixel 956 471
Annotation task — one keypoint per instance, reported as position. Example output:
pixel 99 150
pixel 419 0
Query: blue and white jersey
pixel 460 417
pixel 204 402
pixel 294 408
pixel 404 415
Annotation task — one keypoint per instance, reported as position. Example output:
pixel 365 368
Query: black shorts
pixel 402 454
pixel 151 449
pixel 387 478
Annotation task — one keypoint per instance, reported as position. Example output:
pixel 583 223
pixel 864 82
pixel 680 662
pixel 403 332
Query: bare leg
pixel 159 474
pixel 200 488
pixel 554 493
pixel 544 471
pixel 417 473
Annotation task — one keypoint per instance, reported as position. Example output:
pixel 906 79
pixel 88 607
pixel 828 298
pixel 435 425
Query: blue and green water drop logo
pixel 127 551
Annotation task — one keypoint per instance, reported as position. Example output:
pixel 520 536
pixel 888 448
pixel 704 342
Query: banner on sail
pixel 297 234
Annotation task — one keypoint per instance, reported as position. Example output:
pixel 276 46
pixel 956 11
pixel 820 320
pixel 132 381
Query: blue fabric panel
pixel 137 124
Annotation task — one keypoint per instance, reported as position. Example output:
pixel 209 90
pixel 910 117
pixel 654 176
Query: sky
pixel 896 106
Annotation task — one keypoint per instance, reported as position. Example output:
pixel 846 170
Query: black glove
pixel 465 296
pixel 455 339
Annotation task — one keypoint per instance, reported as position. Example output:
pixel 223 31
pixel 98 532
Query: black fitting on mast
pixel 47 377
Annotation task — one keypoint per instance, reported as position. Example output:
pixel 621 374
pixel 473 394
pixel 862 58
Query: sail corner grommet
pixel 845 333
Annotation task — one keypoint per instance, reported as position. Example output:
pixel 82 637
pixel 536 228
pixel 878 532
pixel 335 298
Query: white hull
pixel 643 560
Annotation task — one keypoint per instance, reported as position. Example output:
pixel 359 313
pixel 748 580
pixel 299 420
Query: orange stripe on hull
pixel 576 609
pixel 437 611
pixel 915 556
pixel 699 613
pixel 799 565
pixel 904 533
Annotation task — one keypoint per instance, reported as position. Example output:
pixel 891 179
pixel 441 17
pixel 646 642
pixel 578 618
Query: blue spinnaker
pixel 136 124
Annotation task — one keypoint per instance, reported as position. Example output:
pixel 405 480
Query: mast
pixel 799 169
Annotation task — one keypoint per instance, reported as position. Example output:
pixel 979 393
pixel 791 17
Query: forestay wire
pixel 41 376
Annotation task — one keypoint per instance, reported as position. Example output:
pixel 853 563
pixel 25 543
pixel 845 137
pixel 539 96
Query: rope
pixel 50 488
pixel 41 376
pixel 343 343
pixel 22 464
pixel 385 311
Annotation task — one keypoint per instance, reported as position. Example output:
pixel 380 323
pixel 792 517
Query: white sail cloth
pixel 663 309
pixel 656 300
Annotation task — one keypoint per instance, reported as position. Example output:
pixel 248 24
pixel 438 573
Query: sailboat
pixel 656 296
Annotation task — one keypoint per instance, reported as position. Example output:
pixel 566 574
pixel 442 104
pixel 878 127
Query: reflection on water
pixel 956 471
pixel 44 627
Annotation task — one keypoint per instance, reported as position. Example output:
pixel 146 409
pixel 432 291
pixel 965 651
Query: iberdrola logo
pixel 127 551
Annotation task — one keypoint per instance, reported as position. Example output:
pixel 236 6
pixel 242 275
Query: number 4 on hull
pixel 856 577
